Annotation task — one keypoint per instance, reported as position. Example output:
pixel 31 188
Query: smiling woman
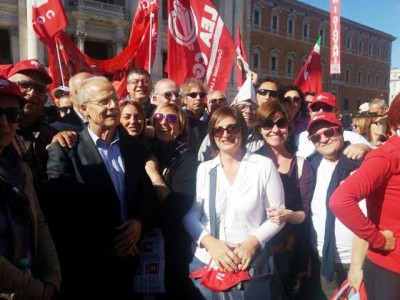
pixel 133 119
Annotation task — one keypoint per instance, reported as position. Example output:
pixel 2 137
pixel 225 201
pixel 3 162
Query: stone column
pixel 31 39
pixel 81 34
pixel 119 40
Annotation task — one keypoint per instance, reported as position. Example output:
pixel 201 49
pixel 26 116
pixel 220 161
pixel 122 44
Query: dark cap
pixel 9 88
pixel 32 65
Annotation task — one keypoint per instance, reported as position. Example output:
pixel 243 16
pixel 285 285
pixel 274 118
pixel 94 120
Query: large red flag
pixel 242 67
pixel 145 25
pixel 48 18
pixel 199 44
pixel 310 76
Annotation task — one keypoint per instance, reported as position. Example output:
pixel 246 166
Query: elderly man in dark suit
pixel 98 193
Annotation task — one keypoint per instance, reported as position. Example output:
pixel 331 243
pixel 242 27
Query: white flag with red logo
pixel 48 18
pixel 145 25
pixel 310 76
pixel 199 44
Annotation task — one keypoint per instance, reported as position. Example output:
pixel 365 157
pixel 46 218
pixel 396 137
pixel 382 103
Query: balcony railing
pixel 104 8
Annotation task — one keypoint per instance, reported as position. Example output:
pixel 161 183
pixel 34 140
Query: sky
pixel 382 15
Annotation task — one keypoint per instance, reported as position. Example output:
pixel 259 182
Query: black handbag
pixel 264 283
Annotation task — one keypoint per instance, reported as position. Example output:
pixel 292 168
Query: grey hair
pixel 81 94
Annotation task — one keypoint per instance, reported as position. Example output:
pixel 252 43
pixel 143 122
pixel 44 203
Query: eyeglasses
pixel 218 101
pixel 168 95
pixel 195 94
pixel 105 102
pixel 317 107
pixel 268 124
pixel 295 99
pixel 244 107
pixel 375 114
pixel 65 109
pixel 26 86
pixel 264 92
pixel 137 81
pixel 13 114
pixel 170 118
pixel 232 129
pixel 330 132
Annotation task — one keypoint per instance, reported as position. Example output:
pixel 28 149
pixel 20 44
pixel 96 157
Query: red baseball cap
pixel 30 64
pixel 9 88
pixel 326 98
pixel 324 117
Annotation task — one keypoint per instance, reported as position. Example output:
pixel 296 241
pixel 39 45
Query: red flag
pixel 310 76
pixel 243 67
pixel 145 25
pixel 48 18
pixel 199 44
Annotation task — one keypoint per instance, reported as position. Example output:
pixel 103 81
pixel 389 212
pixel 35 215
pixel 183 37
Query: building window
pixel 256 61
pixel 257 17
pixel 306 31
pixel 346 104
pixel 347 76
pixel 370 49
pixel 377 80
pixel 348 43
pixel 379 52
pixel 97 50
pixel 360 46
pixel 290 28
pixel 322 35
pixel 289 66
pixel 5 47
pixel 273 66
pixel 369 78
pixel 275 23
pixel 359 76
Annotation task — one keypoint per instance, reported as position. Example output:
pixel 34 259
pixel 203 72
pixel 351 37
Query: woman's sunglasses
pixel 268 124
pixel 295 99
pixel 264 92
pixel 13 114
pixel 232 129
pixel 170 118
pixel 330 132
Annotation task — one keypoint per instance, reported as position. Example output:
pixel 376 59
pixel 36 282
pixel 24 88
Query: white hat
pixel 60 91
pixel 363 107
pixel 246 92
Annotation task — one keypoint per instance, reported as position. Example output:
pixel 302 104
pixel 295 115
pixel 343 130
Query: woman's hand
pixel 279 215
pixel 152 168
pixel 222 253
pixel 390 240
pixel 127 238
pixel 246 252
pixel 355 277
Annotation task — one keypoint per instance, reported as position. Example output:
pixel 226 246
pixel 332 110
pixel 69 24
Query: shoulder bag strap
pixel 213 214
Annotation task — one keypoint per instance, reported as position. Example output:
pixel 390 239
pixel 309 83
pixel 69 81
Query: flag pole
pixel 150 39
pixel 59 63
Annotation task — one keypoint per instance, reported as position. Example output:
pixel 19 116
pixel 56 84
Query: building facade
pixel 394 83
pixel 278 37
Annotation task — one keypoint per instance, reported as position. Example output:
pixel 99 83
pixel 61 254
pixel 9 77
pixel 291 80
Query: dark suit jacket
pixel 70 122
pixel 85 212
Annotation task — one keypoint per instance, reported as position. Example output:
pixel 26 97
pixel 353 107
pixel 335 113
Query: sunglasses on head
pixel 170 118
pixel 269 124
pixel 219 101
pixel 195 94
pixel 13 114
pixel 232 129
pixel 317 107
pixel 28 86
pixel 168 95
pixel 264 92
pixel 330 132
pixel 295 99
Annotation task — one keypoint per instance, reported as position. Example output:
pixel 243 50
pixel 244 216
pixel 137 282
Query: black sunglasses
pixel 232 129
pixel 330 132
pixel 269 124
pixel 65 109
pixel 264 92
pixel 168 95
pixel 13 114
pixel 195 94
pixel 170 118
pixel 295 99
pixel 220 101
pixel 28 86
pixel 317 107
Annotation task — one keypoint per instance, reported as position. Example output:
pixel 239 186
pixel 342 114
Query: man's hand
pixel 65 138
pixel 356 151
pixel 128 237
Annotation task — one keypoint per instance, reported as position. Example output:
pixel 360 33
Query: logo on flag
pixel 182 25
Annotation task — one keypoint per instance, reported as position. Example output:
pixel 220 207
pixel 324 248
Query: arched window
pixel 273 62
pixel 322 33
pixel 348 75
pixel 291 25
pixel 289 66
pixel 349 41
pixel 257 17
pixel 275 20
pixel 360 46
pixel 359 76
pixel 306 29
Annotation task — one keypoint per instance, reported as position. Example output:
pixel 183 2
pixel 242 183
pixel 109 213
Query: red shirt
pixel 377 180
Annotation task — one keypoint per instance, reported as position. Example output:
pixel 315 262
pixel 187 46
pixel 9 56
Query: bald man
pixel 166 91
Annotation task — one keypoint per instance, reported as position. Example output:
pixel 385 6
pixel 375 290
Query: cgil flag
pixel 48 18
pixel 199 44
pixel 310 76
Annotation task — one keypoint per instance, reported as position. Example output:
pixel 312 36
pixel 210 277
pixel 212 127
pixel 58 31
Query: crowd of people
pixel 273 172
